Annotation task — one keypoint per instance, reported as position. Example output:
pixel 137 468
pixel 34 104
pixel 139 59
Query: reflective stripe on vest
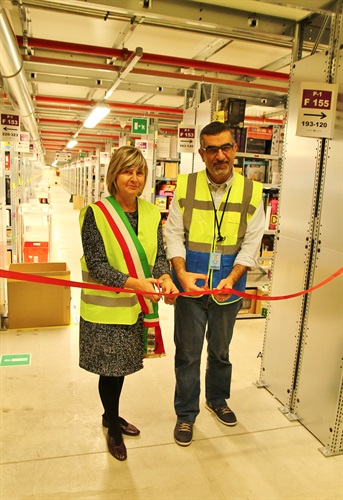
pixel 112 307
pixel 196 204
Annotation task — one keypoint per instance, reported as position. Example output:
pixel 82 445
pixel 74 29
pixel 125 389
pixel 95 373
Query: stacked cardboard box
pixel 35 304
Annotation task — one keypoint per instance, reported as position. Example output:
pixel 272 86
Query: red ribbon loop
pixel 34 278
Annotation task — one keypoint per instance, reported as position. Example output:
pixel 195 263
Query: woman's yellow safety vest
pixel 196 204
pixel 113 307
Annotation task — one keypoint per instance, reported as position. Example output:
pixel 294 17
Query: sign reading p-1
pixel 317 112
pixel 186 139
pixel 10 125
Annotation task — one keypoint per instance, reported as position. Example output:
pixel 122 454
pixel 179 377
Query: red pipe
pixel 57 132
pixel 87 143
pixel 82 102
pixel 162 74
pixel 53 146
pixel 78 48
pixel 78 123
pixel 263 119
pixel 60 122
pixel 121 113
pixel 208 79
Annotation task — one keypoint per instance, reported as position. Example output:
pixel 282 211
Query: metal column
pixel 303 344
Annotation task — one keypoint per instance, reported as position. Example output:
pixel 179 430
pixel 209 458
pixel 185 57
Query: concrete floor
pixel 53 445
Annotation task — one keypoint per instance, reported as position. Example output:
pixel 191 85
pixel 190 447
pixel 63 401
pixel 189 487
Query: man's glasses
pixel 214 150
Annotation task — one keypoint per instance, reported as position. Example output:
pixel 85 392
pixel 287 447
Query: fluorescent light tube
pixel 98 113
pixel 133 60
pixel 71 144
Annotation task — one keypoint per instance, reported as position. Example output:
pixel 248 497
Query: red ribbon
pixel 34 278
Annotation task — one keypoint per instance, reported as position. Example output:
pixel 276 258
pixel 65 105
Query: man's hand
pixel 167 287
pixel 187 280
pixel 225 283
pixel 237 272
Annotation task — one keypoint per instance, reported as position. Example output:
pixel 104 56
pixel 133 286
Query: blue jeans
pixel 192 316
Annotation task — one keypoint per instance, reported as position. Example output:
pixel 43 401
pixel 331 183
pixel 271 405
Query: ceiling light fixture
pixel 110 91
pixel 98 113
pixel 71 144
pixel 132 61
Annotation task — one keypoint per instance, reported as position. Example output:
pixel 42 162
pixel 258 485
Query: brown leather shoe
pixel 118 452
pixel 126 428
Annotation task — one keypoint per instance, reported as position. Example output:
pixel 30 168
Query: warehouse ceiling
pixel 152 59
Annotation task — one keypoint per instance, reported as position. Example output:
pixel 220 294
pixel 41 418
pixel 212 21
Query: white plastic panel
pixel 292 249
pixel 319 384
pixel 281 339
pixel 318 397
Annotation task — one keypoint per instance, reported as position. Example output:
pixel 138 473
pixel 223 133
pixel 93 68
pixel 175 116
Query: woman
pixel 123 248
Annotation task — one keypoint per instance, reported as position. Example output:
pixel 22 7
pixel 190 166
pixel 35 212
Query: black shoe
pixel 125 427
pixel 225 415
pixel 183 433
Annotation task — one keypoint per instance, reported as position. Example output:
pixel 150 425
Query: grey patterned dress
pixel 112 350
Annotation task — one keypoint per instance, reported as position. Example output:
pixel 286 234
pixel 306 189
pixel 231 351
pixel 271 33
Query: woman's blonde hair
pixel 123 158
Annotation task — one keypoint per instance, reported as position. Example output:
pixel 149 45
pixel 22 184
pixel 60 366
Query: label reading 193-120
pixel 317 111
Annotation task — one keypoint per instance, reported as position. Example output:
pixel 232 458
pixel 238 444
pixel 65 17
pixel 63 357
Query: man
pixel 213 235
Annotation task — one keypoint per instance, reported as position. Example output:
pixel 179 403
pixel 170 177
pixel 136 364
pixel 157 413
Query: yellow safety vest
pixel 196 204
pixel 99 306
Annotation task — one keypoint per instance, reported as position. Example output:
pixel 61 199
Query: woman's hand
pixel 167 286
pixel 144 285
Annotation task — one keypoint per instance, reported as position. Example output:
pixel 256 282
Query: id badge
pixel 215 259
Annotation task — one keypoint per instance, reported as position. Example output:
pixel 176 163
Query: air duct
pixel 12 73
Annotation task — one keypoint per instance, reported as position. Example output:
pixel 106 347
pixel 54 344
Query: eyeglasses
pixel 214 150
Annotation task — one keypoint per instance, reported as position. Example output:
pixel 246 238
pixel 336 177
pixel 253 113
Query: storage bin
pixel 36 251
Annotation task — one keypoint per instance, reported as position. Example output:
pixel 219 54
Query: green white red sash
pixel 138 267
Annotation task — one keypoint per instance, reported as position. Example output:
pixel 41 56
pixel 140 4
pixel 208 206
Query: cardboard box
pixel 248 305
pixel 161 202
pixel 78 202
pixel 171 170
pixel 255 169
pixel 262 291
pixel 34 304
pixel 266 258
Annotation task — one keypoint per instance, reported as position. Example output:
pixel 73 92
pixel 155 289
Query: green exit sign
pixel 139 126
pixel 15 359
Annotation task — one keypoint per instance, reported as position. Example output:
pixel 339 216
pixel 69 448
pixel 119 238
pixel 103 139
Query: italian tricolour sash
pixel 138 267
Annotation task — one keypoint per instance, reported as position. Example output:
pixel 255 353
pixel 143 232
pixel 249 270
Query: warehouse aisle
pixel 54 447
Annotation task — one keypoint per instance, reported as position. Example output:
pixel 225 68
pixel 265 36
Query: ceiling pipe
pixel 263 119
pixel 215 81
pixel 11 70
pixel 121 113
pixel 59 132
pixel 53 121
pixel 78 48
pixel 114 105
pixel 162 74
pixel 78 122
